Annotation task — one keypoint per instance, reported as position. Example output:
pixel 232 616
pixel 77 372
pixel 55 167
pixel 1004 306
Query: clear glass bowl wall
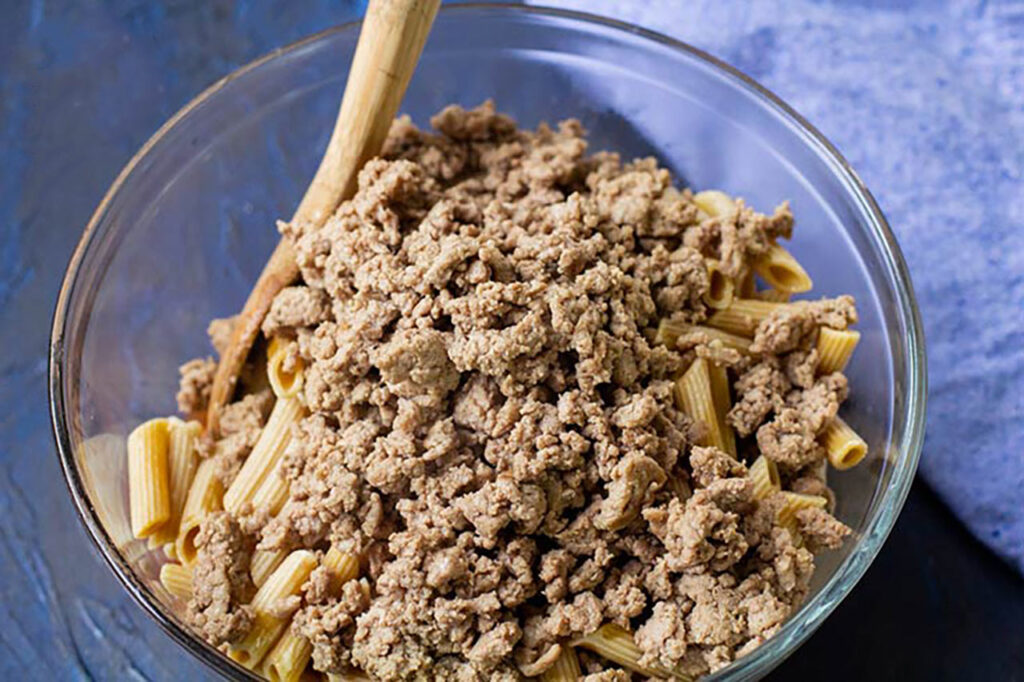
pixel 183 232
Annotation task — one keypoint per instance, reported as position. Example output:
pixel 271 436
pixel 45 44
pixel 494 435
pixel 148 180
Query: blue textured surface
pixel 924 98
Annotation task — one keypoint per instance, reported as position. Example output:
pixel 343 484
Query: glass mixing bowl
pixel 184 230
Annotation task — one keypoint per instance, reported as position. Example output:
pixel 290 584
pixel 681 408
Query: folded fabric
pixel 926 101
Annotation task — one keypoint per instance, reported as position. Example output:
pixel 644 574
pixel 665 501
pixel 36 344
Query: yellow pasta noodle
pixel 264 562
pixel 782 271
pixel 845 449
pixel 284 384
pixel 267 624
pixel 720 286
pixel 182 461
pixel 743 316
pixel 794 502
pixel 765 476
pixel 204 497
pixel 616 644
pixel 177 580
pixel 265 454
pixel 835 346
pixel 566 667
pixel 148 478
pixel 288 659
pixel 350 676
pixel 669 332
pixel 773 295
pixel 702 393
pixel 715 203
pixel 272 493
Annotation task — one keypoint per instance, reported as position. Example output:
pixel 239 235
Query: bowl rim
pixel 799 626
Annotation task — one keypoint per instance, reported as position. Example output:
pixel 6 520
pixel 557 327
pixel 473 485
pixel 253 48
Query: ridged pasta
pixel 835 346
pixel 177 580
pixel 288 659
pixel 743 316
pixel 267 626
pixel 720 286
pixel 204 497
pixel 264 456
pixel 149 492
pixel 264 562
pixel 616 644
pixel 182 461
pixel 669 332
pixel 844 447
pixel 780 270
pixel 765 476
pixel 272 493
pixel 794 502
pixel 284 384
pixel 702 393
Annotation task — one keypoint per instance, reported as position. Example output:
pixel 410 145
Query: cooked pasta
pixel 782 271
pixel 288 659
pixel 350 676
pixel 669 332
pixel 284 384
pixel 772 295
pixel 845 449
pixel 148 477
pixel 615 643
pixel 794 502
pixel 265 454
pixel 267 624
pixel 720 286
pixel 743 315
pixel 177 580
pixel 765 476
pixel 566 667
pixel 702 393
pixel 835 346
pixel 272 493
pixel 341 566
pixel 265 562
pixel 204 497
pixel 182 461
pixel 715 203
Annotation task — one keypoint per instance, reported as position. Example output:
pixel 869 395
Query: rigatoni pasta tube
pixel 265 454
pixel 704 402
pixel 835 346
pixel 264 562
pixel 782 271
pixel 566 667
pixel 182 461
pixel 715 203
pixel 616 644
pixel 350 676
pixel 285 384
pixel 845 449
pixel 204 497
pixel 794 502
pixel 765 477
pixel 669 333
pixel 272 493
pixel 743 315
pixel 720 286
pixel 288 659
pixel 285 582
pixel 149 491
pixel 177 580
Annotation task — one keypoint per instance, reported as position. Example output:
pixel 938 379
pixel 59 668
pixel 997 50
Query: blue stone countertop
pixel 926 99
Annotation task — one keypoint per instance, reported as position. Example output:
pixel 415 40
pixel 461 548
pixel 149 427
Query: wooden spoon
pixel 390 44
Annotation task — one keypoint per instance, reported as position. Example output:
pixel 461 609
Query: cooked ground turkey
pixel 493 429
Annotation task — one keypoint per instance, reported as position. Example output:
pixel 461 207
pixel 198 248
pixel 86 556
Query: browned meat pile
pixel 493 427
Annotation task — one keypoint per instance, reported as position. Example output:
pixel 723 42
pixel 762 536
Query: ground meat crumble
pixel 492 428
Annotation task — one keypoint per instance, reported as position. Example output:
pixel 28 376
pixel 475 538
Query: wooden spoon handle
pixel 390 44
